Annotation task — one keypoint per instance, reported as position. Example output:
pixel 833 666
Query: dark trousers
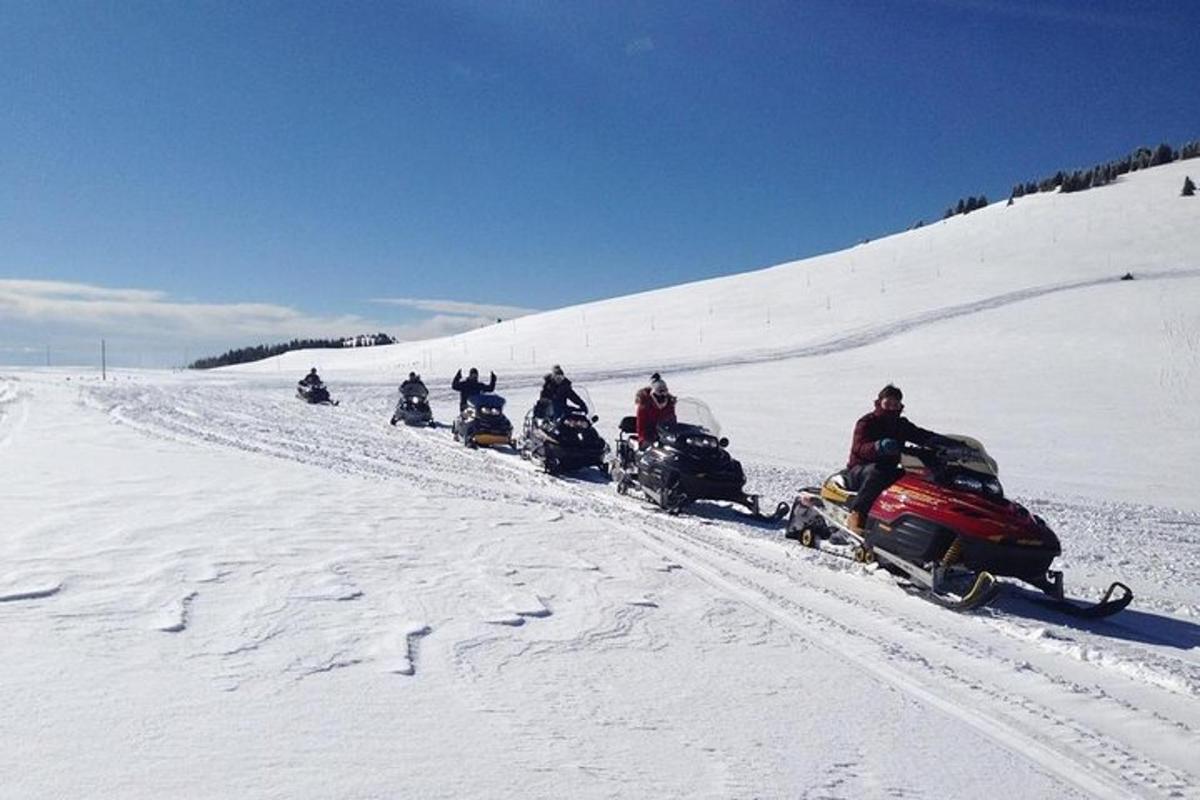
pixel 869 480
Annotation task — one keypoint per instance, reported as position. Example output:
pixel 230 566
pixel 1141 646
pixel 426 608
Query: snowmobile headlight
pixel 967 483
pixel 489 410
pixel 993 488
pixel 707 442
pixel 576 422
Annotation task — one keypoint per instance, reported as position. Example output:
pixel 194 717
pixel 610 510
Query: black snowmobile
pixel 413 408
pixel 482 422
pixel 687 463
pixel 315 394
pixel 565 443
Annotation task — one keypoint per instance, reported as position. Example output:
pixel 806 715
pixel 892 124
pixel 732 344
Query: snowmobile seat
pixel 628 425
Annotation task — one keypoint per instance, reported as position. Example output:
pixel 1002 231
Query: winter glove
pixel 888 447
pixel 493 376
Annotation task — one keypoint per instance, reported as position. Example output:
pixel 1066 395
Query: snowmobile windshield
pixel 417 391
pixel 492 403
pixel 585 397
pixel 970 456
pixel 690 411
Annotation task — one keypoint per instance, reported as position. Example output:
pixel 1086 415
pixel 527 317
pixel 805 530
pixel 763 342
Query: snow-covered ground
pixel 210 589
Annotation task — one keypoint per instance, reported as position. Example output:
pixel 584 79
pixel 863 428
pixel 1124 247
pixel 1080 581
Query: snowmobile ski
pixel 751 502
pixel 1115 599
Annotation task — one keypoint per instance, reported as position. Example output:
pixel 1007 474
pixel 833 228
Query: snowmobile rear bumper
pixel 704 487
pixel 573 458
pixel 490 439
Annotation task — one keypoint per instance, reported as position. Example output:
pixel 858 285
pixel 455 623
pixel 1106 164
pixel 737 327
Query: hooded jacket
pixel 414 387
pixel 558 393
pixel 649 415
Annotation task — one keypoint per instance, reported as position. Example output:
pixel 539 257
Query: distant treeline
pixel 243 355
pixel 1079 179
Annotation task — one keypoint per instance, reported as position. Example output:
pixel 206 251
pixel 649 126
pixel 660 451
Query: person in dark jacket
pixel 654 405
pixel 412 392
pixel 311 379
pixel 874 461
pixel 413 386
pixel 556 392
pixel 470 386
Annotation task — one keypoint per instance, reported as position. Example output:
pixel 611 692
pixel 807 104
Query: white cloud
pixel 70 316
pixel 642 44
pixel 438 326
pixel 134 312
pixel 457 308
pixel 80 291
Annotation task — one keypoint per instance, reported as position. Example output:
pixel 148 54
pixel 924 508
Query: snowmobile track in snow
pixel 1019 681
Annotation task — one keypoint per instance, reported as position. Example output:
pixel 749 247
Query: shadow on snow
pixel 1143 627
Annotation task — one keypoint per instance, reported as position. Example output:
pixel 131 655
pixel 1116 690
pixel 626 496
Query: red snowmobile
pixel 947 527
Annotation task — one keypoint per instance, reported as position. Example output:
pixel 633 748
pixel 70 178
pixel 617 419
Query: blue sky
pixel 184 177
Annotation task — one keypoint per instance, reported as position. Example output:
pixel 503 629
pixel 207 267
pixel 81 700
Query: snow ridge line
pixel 37 593
pixel 878 333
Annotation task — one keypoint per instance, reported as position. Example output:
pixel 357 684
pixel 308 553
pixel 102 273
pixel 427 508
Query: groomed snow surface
pixel 211 589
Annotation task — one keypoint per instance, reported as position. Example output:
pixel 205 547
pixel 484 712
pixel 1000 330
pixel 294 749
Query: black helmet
pixel 412 376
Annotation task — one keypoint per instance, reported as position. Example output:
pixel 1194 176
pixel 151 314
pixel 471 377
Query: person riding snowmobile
pixel 412 387
pixel 311 379
pixel 874 462
pixel 654 405
pixel 556 392
pixel 470 386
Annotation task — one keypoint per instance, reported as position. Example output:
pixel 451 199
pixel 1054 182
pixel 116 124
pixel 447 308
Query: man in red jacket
pixel 654 405
pixel 874 461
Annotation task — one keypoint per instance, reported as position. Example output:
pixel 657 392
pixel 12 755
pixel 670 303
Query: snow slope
pixel 210 589
pixel 1009 323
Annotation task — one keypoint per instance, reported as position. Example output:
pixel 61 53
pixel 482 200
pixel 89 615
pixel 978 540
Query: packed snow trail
pixel 1112 707
pixel 315 633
